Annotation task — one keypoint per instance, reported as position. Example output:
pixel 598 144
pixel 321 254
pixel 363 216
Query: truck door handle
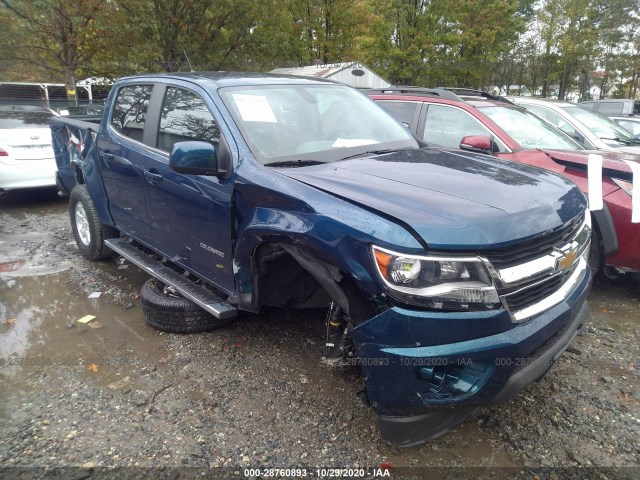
pixel 107 156
pixel 150 175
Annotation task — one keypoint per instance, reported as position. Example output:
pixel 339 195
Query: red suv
pixel 480 122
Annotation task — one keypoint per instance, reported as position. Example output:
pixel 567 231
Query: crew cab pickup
pixel 452 279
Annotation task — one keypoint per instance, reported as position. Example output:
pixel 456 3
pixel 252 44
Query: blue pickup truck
pixel 451 279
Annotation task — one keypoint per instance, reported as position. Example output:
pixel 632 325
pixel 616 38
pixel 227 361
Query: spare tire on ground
pixel 170 312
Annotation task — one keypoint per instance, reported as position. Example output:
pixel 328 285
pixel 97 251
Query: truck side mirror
pixel 194 158
pixel 476 143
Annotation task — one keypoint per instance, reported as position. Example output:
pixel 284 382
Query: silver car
pixel 26 154
pixel 613 107
pixel 592 130
pixel 629 123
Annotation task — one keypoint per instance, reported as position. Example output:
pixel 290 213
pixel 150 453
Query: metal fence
pixel 52 95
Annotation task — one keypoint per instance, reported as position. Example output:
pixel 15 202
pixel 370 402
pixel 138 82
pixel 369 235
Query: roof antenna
pixel 185 56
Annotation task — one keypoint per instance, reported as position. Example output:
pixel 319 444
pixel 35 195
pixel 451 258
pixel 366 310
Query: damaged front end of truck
pixel 441 315
pixel 427 370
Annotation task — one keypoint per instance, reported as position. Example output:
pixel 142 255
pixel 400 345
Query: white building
pixel 352 73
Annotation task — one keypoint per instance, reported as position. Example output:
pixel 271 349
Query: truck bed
pixel 73 141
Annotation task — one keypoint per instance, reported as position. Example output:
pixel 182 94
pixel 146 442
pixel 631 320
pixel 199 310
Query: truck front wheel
pixel 88 231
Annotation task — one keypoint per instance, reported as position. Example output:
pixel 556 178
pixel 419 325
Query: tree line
pixel 547 47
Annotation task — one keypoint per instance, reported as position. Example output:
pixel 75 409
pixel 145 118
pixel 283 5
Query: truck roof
pixel 229 79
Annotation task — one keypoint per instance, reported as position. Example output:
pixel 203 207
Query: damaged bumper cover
pixel 427 371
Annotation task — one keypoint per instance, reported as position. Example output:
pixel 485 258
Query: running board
pixel 196 293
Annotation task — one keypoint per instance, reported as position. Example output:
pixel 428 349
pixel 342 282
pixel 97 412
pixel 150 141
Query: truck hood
pixel 452 200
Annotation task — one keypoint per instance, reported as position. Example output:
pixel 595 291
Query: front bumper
pixel 427 371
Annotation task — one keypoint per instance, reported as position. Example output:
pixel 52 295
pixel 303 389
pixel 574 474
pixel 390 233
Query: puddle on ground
pixel 45 200
pixel 445 451
pixel 19 259
pixel 39 330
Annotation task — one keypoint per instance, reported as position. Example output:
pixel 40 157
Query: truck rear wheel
pixel 170 312
pixel 88 231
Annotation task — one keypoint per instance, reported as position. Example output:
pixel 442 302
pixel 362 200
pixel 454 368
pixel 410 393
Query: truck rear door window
pixel 185 117
pixel 130 110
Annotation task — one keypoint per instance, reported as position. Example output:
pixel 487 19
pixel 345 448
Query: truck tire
pixel 88 231
pixel 174 313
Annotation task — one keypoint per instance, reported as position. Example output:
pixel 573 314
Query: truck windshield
pixel 323 123
pixel 530 131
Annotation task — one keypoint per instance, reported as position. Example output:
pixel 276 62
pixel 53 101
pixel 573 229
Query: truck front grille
pixel 514 255
pixel 532 281
pixel 532 294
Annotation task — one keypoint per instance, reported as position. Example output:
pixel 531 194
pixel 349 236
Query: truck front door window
pixel 185 117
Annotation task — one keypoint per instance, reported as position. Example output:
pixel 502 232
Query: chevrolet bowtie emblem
pixel 567 259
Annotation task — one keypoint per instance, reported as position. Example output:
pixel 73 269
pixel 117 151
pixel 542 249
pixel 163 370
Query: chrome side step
pixel 196 293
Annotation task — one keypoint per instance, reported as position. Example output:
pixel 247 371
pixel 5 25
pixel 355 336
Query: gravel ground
pixel 125 400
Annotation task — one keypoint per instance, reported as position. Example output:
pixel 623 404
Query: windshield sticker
pixel 635 192
pixel 254 108
pixel 352 142
pixel 594 179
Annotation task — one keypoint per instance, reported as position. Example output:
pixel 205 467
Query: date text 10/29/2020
pixel 320 472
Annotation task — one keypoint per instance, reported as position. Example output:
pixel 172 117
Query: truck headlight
pixel 439 282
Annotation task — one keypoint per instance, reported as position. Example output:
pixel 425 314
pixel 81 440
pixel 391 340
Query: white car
pixel 592 130
pixel 26 154
pixel 631 124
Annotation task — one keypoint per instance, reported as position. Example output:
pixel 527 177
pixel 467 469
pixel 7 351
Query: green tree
pixel 63 39
pixel 328 30
pixel 486 29
pixel 618 26
pixel 580 36
pixel 430 42
pixel 200 31
pixel 244 34
pixel 409 40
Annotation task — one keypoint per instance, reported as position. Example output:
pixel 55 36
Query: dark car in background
pixel 477 121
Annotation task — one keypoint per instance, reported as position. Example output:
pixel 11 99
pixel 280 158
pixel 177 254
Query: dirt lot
pixel 75 400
